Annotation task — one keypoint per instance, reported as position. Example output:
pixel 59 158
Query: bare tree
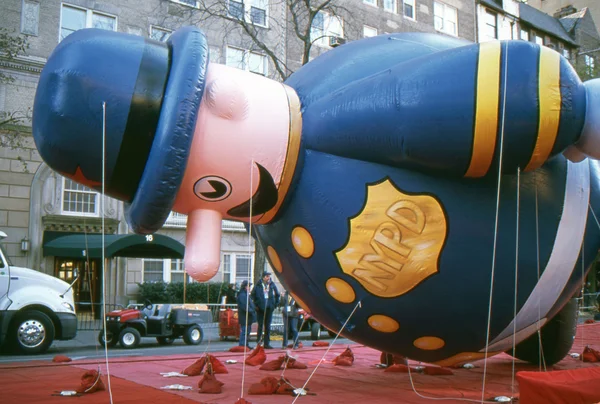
pixel 272 27
pixel 12 46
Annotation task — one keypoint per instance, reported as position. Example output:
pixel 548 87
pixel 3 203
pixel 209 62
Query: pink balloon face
pixel 240 145
pixel 241 162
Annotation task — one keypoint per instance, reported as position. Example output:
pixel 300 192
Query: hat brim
pixel 168 157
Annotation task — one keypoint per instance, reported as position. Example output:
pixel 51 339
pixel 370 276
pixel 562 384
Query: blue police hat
pixel 152 92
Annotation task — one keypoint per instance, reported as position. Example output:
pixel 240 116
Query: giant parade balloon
pixel 413 187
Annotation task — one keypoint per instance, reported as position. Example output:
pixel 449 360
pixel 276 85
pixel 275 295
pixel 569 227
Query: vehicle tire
pixel 129 338
pixel 33 332
pixel 165 340
pixel 331 334
pixel 193 335
pixel 112 340
pixel 557 337
pixel 315 331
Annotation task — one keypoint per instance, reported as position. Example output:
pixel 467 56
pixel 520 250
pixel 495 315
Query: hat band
pixel 142 120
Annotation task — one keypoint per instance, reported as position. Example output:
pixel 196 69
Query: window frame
pixel 75 213
pixel 162 261
pixel 88 17
pixel 372 3
pixel 395 6
pixel 590 65
pixel 183 3
pixel 323 41
pixel 414 9
pixel 233 258
pixel 366 27
pixel 247 11
pixel 246 59
pixel 159 28
pixel 444 6
pixel 488 13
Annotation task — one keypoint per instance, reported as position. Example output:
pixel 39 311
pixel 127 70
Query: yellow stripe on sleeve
pixel 549 108
pixel 486 109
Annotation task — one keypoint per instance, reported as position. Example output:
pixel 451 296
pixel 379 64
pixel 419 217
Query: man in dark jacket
pixel 290 320
pixel 246 309
pixel 266 298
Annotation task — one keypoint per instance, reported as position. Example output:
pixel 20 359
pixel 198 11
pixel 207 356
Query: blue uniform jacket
pixel 394 200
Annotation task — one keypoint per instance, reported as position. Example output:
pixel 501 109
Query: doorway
pixel 87 291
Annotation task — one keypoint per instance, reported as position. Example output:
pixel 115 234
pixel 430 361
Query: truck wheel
pixel 33 332
pixel 110 338
pixel 129 338
pixel 331 334
pixel 315 331
pixel 165 340
pixel 193 335
pixel 557 337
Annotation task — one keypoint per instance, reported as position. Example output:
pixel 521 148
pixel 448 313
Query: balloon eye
pixel 212 189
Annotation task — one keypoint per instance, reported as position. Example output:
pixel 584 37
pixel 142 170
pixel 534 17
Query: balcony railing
pixel 179 220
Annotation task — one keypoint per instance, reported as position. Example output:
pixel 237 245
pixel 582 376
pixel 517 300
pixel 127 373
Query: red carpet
pixel 138 380
pixel 36 384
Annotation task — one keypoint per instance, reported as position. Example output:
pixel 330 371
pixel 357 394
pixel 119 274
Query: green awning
pixel 77 245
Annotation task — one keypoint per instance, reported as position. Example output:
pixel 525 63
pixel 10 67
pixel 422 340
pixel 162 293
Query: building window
pixel 177 271
pixel 590 65
pixel 566 53
pixel 490 25
pixel 191 3
pixel 79 199
pixel 226 268
pixel 159 34
pixel 370 2
pixel 369 31
pixel 75 18
pixel 255 11
pixel 246 60
pixel 538 39
pixel 236 268
pixel 153 270
pixel 164 270
pixel 326 26
pixel 445 18
pixel 390 5
pixel 243 268
pixel 409 8
pixel 524 35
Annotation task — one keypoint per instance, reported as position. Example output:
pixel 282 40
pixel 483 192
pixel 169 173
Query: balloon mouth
pixel 263 200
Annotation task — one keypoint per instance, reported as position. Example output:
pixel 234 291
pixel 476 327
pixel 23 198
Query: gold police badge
pixel 395 240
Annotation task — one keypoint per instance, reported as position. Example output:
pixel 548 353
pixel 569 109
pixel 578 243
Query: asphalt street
pixel 85 346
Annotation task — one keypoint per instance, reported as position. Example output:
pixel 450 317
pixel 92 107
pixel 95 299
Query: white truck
pixel 35 308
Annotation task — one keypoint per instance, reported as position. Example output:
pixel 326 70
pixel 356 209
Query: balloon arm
pixel 441 113
pixel 589 142
pixel 203 244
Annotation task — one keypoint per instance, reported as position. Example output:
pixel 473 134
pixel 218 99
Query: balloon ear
pixel 226 99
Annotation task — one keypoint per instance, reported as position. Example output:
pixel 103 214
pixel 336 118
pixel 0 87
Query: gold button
pixel 340 290
pixel 383 323
pixel 303 242
pixel 274 258
pixel 429 343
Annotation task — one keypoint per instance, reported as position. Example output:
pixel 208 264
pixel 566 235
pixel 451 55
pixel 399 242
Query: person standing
pixel 290 320
pixel 266 298
pixel 246 310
